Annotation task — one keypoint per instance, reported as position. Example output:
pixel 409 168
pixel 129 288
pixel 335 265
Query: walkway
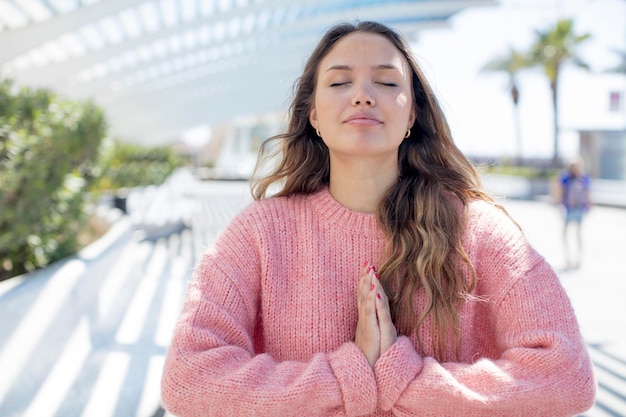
pixel 87 337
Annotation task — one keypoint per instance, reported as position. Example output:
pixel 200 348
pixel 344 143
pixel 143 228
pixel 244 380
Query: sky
pixel 478 104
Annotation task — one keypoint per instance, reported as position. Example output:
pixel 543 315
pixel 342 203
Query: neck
pixel 361 185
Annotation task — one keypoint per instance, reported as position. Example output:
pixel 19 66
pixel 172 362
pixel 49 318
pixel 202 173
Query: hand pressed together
pixel 375 331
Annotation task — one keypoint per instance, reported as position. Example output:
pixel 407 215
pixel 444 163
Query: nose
pixel 363 96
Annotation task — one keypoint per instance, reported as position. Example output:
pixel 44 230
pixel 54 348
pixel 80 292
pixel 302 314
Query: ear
pixel 313 118
pixel 412 117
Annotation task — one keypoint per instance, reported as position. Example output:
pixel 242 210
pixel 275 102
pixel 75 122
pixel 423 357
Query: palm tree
pixel 511 63
pixel 553 48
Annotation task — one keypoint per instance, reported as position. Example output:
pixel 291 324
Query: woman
pixel 379 278
pixel 574 197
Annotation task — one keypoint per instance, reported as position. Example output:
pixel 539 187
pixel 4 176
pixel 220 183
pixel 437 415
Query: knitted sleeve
pixel 212 369
pixel 541 367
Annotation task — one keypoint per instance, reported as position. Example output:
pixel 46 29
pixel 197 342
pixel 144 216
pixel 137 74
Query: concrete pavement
pixel 87 336
pixel 597 289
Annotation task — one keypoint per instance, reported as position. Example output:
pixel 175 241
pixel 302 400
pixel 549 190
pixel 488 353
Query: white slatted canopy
pixel 159 67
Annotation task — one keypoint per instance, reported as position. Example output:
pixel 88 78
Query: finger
pixel 388 334
pixel 365 282
pixel 367 335
pixel 364 289
pixel 383 312
pixel 367 302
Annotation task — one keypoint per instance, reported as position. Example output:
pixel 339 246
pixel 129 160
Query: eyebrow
pixel 375 67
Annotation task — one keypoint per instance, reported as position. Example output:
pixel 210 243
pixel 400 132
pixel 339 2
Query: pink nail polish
pixel 374 268
pixel 379 296
pixel 365 263
pixel 376 275
pixel 372 287
pixel 369 268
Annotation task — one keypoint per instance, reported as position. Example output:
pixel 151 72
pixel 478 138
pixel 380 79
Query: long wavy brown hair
pixel 421 214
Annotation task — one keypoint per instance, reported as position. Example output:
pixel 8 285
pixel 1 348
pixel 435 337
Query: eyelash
pixel 385 84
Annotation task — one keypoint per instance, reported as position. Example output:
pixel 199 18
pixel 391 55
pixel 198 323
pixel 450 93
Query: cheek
pixel 402 100
pixel 323 107
pixel 403 104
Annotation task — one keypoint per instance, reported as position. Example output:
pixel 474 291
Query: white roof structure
pixel 159 67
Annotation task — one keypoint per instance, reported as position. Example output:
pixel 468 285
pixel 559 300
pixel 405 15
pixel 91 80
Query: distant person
pixel 574 198
pixel 373 275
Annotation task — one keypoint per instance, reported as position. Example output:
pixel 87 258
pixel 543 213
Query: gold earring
pixel 408 133
pixel 318 132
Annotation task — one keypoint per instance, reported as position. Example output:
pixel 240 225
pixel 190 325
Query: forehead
pixel 364 48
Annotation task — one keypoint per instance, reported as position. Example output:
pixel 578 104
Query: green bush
pixel 125 165
pixel 540 172
pixel 49 149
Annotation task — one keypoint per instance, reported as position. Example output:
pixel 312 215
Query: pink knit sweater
pixel 269 320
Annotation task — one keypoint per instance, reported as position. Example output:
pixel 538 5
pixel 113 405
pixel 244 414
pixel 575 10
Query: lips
pixel 362 118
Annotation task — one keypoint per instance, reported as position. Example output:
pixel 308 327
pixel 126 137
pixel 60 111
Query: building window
pixel 615 101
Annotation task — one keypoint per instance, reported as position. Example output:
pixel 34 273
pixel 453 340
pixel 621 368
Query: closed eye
pixel 389 84
pixel 338 84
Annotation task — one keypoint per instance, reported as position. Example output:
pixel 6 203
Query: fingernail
pixel 372 287
pixel 376 275
pixel 374 268
pixel 378 296
pixel 365 263
pixel 369 268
